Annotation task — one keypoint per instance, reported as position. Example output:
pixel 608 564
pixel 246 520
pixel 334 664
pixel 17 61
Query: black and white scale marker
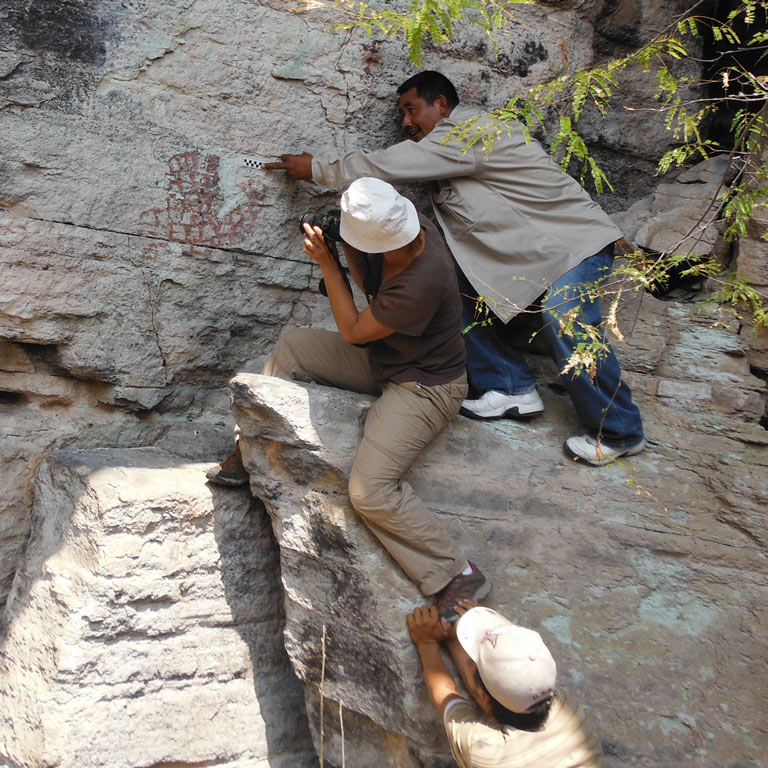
pixel 249 162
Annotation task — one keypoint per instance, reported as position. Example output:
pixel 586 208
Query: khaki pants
pixel 399 425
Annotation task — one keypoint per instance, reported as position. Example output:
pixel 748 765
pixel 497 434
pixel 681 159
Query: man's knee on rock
pixel 286 340
pixel 367 495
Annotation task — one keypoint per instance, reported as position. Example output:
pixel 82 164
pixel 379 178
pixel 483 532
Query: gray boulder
pixel 145 624
pixel 629 571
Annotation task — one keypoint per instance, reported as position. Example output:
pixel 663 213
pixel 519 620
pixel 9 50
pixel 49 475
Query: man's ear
pixel 442 104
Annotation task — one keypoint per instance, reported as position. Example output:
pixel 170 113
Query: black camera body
pixel 328 221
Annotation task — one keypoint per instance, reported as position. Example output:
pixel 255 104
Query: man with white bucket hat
pixel 405 346
pixel 519 718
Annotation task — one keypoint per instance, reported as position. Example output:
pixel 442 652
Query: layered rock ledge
pixel 145 625
pixel 645 576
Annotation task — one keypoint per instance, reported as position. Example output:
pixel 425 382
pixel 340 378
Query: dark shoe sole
pixel 228 482
pixel 485 589
pixel 512 413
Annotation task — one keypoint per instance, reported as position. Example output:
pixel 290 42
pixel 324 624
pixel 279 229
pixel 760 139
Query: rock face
pixel 679 217
pixel 651 604
pixel 752 261
pixel 142 263
pixel 145 627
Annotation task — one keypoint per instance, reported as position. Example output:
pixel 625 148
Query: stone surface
pixel 752 261
pixel 66 412
pixel 142 263
pixel 145 627
pixel 680 217
pixel 647 577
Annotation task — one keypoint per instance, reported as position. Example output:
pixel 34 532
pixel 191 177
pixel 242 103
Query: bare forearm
pixel 440 683
pixel 345 312
pixel 356 264
pixel 464 665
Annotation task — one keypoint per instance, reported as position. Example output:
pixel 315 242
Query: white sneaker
pixel 497 405
pixel 586 448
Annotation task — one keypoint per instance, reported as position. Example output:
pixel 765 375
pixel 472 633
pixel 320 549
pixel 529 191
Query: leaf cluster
pixel 563 101
pixel 428 19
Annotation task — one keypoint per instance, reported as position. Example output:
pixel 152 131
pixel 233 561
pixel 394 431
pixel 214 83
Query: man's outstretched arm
pixel 426 160
pixel 427 634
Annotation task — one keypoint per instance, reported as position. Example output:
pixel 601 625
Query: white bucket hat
pixel 517 668
pixel 375 218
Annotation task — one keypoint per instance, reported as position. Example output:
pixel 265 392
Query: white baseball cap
pixel 376 218
pixel 517 668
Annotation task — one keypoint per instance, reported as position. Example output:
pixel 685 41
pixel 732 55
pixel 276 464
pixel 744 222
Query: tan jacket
pixel 513 221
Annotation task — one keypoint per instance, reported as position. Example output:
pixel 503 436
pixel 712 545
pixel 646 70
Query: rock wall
pixel 142 263
pixel 752 261
pixel 145 626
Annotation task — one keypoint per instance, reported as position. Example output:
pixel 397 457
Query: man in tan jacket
pixel 524 235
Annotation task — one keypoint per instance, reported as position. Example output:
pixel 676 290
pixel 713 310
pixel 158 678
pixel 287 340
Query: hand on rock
pixel 425 625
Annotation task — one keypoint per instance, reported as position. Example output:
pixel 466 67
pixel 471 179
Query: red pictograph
pixel 192 212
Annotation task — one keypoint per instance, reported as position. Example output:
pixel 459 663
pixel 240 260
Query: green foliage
pixel 741 207
pixel 575 146
pixel 482 314
pixel 734 296
pixel 563 101
pixel 435 19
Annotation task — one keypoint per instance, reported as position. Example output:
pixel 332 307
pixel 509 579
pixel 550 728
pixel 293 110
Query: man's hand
pixel 425 626
pixel 316 249
pixel 427 633
pixel 461 607
pixel 298 166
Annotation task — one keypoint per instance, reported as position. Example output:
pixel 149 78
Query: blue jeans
pixel 603 404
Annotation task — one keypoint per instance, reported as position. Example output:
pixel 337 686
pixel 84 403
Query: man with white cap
pixel 519 717
pixel 405 346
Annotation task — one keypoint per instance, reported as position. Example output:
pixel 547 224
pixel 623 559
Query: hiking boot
pixel 473 586
pixel 596 452
pixel 230 472
pixel 497 405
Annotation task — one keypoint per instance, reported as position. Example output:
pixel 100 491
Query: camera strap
pixel 374 263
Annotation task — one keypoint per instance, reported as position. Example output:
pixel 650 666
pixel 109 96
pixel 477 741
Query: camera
pixel 328 221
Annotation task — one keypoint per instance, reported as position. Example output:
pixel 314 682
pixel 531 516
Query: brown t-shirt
pixel 422 304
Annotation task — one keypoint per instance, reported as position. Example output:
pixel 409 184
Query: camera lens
pixel 328 221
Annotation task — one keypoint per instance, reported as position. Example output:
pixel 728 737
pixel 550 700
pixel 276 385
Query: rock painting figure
pixel 191 213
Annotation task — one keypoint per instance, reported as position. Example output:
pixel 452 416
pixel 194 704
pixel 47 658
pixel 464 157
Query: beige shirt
pixel 514 221
pixel 563 742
